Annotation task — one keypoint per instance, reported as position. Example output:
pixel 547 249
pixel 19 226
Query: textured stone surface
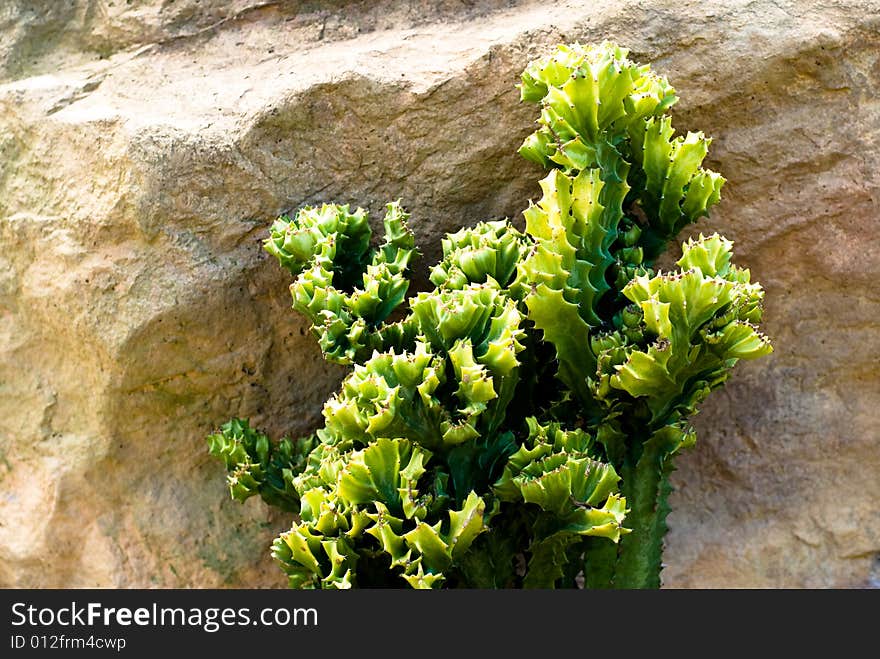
pixel 144 150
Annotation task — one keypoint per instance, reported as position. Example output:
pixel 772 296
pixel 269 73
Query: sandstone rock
pixel 144 151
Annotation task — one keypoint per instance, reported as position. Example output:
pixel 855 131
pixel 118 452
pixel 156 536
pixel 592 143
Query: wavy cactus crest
pixel 517 425
pixel 327 250
pixel 490 251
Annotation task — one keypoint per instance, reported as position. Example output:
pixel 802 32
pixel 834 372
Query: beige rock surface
pixel 144 149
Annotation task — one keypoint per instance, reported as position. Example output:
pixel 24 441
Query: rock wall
pixel 145 147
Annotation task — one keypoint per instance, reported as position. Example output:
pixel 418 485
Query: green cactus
pixel 327 250
pixel 257 466
pixel 517 425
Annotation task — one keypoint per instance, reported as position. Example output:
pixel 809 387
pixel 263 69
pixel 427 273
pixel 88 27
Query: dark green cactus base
pixel 636 561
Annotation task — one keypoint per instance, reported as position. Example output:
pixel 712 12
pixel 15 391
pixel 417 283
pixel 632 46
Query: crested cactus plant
pixel 516 426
